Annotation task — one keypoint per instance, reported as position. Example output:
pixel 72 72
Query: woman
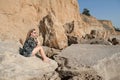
pixel 32 45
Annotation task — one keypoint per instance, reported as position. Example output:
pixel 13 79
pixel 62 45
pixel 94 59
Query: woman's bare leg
pixel 40 49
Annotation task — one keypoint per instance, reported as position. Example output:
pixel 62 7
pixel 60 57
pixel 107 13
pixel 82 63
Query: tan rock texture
pixel 18 16
pixel 14 66
pixel 53 33
pixel 107 24
pixel 93 24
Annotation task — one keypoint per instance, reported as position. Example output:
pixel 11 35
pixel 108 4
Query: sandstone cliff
pixel 18 16
pixel 108 26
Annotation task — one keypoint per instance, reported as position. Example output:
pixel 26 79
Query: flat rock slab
pixel 88 54
pixel 14 66
pixel 104 59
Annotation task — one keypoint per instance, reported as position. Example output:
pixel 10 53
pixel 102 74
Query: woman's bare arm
pixel 38 42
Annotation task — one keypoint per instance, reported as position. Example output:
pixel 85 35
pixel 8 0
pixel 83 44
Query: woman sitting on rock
pixel 32 46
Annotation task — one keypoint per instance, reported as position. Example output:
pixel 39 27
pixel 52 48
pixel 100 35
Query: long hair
pixel 29 33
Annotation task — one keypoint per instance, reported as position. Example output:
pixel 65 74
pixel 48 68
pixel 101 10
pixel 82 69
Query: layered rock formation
pixel 21 15
pixel 108 26
pixel 67 26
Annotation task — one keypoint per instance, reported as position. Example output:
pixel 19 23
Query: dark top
pixel 28 46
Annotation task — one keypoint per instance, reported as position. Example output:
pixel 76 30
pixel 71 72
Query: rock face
pixel 108 26
pixel 96 25
pixel 53 32
pixel 18 16
pixel 92 23
pixel 59 24
pixel 21 15
pixel 13 66
pixel 97 59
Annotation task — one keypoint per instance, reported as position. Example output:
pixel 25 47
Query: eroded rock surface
pixel 81 57
pixel 14 66
pixel 18 16
pixel 53 33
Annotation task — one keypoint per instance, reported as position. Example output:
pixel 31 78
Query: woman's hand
pixel 38 42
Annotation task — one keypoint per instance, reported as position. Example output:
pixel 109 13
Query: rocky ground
pixel 14 66
pixel 94 62
pixel 95 54
pixel 76 62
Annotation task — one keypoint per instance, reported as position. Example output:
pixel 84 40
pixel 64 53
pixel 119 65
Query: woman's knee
pixel 40 47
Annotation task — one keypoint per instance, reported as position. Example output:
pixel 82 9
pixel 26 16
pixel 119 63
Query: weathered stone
pixel 73 32
pixel 53 32
pixel 14 66
pixel 109 67
pixel 114 39
pixel 72 40
pixel 18 16
pixel 51 76
pixel 107 24
pixel 89 36
pixel 84 57
pixel 61 24
pixel 92 24
pixel 50 52
pixel 69 27
pixel 95 41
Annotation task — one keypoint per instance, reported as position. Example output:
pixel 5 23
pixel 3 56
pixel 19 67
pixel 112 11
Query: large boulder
pixel 114 39
pixel 74 31
pixel 109 67
pixel 50 52
pixel 53 32
pixel 14 66
pixel 80 59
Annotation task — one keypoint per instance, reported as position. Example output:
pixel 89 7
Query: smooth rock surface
pixel 14 66
pixel 109 67
pixel 78 56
